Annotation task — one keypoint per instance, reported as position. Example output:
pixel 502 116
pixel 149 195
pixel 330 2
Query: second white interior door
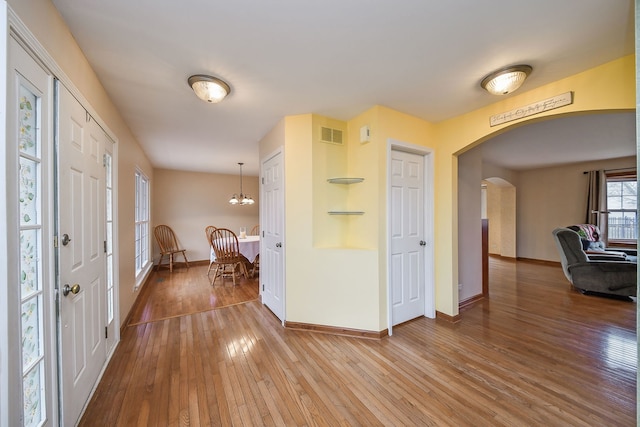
pixel 272 240
pixel 407 236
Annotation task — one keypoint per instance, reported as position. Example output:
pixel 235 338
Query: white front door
pixel 407 236
pixel 81 253
pixel 272 241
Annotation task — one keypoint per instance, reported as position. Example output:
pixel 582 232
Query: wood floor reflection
pixel 535 353
pixel 188 291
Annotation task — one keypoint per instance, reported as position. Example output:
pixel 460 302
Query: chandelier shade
pixel 208 88
pixel 506 80
pixel 242 199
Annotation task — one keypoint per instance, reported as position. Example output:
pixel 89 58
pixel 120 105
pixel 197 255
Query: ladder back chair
pixel 208 230
pixel 228 258
pixel 166 239
pixel 255 231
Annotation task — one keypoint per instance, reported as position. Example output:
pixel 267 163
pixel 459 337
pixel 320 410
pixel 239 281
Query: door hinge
pixel 104 160
pixel 105 246
pixel 55 241
pixel 263 179
pixel 106 332
pixel 263 287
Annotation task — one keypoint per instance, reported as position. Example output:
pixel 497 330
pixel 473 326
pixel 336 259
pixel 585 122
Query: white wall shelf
pixel 345 213
pixel 345 180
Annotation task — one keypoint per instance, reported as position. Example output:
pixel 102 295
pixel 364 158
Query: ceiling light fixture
pixel 506 80
pixel 209 88
pixel 243 199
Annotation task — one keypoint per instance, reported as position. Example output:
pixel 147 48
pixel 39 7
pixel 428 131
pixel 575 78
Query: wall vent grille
pixel 332 136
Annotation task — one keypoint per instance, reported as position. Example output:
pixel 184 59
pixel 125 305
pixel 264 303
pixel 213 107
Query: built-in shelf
pixel 346 213
pixel 345 180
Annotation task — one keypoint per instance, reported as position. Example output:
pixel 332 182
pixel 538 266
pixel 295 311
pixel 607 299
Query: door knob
pixel 278 245
pixel 65 239
pixel 73 289
pixel 423 243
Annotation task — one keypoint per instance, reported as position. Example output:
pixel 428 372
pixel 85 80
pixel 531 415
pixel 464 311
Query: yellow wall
pixel 322 285
pixel 336 267
pixel 336 274
pixel 607 87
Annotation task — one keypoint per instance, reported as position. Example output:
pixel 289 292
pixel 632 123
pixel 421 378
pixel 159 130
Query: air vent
pixel 333 136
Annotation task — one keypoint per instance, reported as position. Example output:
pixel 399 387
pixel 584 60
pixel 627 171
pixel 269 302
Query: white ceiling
pixel 572 139
pixel 336 58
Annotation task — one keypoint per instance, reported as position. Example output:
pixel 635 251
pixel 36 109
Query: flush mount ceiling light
pixel 243 199
pixel 209 88
pixel 506 80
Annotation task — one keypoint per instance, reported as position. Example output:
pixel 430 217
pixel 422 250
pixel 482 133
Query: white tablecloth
pixel 249 247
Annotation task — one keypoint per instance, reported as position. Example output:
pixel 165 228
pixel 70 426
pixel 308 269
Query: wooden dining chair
pixel 255 231
pixel 228 257
pixel 166 239
pixel 256 266
pixel 207 231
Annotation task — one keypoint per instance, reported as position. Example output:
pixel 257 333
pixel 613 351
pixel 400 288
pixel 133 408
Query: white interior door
pixel 272 241
pixel 81 246
pixel 407 236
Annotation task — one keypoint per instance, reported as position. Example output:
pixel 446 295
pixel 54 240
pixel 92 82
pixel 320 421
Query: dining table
pixel 249 247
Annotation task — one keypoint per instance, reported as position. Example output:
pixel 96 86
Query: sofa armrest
pixel 606 257
pixel 595 255
pixel 627 251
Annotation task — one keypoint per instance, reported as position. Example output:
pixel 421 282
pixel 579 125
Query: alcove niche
pixel 337 186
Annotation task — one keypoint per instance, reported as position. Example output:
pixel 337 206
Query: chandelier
pixel 243 199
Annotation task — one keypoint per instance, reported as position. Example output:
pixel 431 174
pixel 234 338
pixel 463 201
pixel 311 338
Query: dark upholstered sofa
pixel 615 277
pixel 594 247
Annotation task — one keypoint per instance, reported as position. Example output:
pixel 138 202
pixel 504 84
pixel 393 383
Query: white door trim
pixel 8 271
pixel 429 285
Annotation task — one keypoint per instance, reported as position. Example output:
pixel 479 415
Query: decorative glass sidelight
pixel 31 279
pixel 108 164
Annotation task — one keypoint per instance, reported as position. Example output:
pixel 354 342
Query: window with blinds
pixel 622 206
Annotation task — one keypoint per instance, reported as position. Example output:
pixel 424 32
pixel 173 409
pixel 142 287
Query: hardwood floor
pixel 535 353
pixel 188 291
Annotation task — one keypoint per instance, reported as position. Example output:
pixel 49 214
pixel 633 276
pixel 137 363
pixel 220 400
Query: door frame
pixel 429 276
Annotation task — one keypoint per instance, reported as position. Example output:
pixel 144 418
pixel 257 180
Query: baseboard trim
pixel 534 260
pixel 540 261
pixel 505 258
pixel 470 301
pixel 448 318
pixel 335 330
pixel 134 306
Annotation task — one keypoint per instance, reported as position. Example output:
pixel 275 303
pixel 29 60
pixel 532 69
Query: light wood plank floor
pixel 188 291
pixel 535 353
